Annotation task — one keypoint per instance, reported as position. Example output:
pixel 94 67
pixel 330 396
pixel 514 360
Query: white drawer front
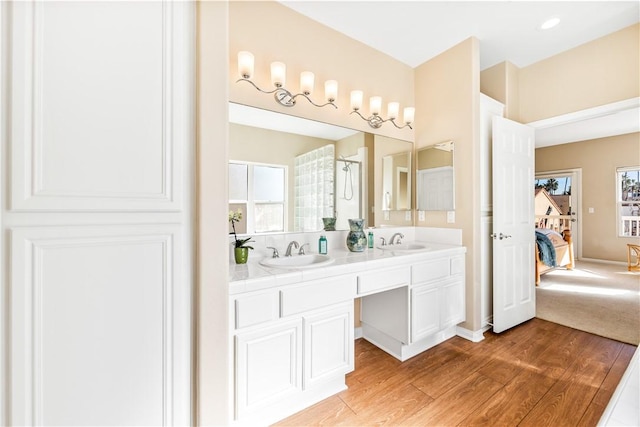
pixel 257 308
pixel 431 270
pixel 316 294
pixel 383 279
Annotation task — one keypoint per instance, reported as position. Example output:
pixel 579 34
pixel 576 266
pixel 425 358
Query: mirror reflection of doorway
pixel 404 192
pixel 557 203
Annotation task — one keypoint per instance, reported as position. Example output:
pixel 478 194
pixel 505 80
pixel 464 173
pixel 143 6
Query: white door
pixel 513 224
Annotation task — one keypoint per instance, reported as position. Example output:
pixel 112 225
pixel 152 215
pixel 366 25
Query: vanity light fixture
pixel 375 107
pixel 278 77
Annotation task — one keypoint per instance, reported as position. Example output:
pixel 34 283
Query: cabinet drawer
pixel 256 308
pixel 431 270
pixel 384 279
pixel 316 294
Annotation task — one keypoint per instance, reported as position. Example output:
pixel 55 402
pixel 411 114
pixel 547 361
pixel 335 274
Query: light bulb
pixel 392 110
pixel 245 64
pixel 278 73
pixel 306 82
pixel 356 99
pixel 331 90
pixel 409 114
pixel 375 104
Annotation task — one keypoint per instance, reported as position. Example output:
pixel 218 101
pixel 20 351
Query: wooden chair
pixel 633 251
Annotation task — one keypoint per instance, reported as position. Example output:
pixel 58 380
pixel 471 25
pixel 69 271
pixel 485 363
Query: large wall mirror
pixel 435 177
pixel 287 173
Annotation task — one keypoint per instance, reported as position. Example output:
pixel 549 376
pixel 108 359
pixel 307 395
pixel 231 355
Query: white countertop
pixel 254 276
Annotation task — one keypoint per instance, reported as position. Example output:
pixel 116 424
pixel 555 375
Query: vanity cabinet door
pixel 268 366
pixel 452 303
pixel 425 311
pixel 328 344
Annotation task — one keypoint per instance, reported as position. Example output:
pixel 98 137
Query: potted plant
pixel 241 249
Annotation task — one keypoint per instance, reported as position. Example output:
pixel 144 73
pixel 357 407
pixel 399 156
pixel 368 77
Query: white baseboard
pixel 473 336
pixel 602 261
pixel 357 332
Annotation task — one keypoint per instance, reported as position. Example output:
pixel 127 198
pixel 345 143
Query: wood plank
pixel 394 407
pixel 600 401
pixel 332 411
pixel 437 381
pixel 457 403
pixel 361 394
pixel 538 373
pixel 513 402
pixel 568 399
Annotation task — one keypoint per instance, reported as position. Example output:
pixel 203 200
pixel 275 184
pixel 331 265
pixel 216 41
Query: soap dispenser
pixel 322 245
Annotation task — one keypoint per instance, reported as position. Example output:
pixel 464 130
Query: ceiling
pixel 416 31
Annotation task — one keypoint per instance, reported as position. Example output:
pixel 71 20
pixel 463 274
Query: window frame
pixel 620 203
pixel 250 203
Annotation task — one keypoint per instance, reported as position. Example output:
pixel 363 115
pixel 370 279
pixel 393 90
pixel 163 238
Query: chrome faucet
pixel 275 252
pixel 292 243
pixel 301 251
pixel 399 236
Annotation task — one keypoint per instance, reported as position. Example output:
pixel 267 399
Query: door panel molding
pixel 72 153
pixel 52 347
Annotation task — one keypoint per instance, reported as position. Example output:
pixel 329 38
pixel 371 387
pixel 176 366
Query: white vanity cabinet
pixel 438 287
pixel 423 309
pixel 294 343
pixel 293 346
pixel 268 365
pixel 328 344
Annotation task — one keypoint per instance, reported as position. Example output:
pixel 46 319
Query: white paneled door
pixel 513 224
pixel 98 162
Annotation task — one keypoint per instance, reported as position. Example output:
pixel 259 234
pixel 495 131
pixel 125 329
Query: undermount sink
pixel 298 261
pixel 404 247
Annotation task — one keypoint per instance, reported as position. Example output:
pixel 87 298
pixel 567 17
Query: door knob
pixel 499 236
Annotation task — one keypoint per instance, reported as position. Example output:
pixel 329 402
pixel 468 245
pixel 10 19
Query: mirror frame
pixel 444 174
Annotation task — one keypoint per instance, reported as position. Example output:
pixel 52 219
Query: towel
pixel 546 249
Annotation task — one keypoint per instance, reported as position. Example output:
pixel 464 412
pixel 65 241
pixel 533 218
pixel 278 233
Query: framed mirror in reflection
pixel 435 177
pixel 396 182
pixel 287 173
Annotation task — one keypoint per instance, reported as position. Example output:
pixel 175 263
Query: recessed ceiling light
pixel 550 23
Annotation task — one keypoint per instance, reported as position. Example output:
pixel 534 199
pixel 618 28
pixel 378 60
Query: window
pixel 628 201
pixel 259 191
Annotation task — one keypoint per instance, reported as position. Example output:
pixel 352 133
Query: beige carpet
pixel 603 299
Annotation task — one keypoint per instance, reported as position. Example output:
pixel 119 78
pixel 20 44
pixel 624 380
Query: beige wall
pixel 501 82
pixel 349 146
pixel 598 160
pixel 600 72
pixel 213 366
pixel 448 108
pixel 303 44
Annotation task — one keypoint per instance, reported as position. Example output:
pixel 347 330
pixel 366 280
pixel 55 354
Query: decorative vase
pixel 241 255
pixel 356 239
pixel 329 224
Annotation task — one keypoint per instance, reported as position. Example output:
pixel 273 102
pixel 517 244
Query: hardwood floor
pixel 537 374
